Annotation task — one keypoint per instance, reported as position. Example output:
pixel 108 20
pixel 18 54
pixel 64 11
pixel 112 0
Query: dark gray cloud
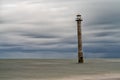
pixel 47 29
pixel 106 50
pixel 39 35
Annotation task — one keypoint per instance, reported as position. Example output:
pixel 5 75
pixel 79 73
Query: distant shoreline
pixel 54 58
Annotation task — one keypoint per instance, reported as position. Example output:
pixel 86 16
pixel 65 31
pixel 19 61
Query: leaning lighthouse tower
pixel 79 33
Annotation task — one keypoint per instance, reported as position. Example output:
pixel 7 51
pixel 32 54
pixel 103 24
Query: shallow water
pixel 39 69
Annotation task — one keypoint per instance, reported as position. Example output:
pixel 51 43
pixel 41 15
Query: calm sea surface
pixel 39 69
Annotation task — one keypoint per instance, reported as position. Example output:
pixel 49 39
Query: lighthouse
pixel 79 34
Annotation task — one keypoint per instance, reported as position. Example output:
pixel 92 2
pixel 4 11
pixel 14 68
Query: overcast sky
pixel 47 28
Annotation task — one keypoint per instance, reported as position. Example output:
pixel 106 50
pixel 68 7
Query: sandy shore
pixel 93 77
pixel 83 77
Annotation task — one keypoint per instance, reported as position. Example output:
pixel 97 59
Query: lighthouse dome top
pixel 78 17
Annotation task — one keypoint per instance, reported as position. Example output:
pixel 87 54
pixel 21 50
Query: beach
pixel 59 69
pixel 94 77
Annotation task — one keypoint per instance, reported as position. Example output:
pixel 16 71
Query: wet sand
pixel 51 69
pixel 94 77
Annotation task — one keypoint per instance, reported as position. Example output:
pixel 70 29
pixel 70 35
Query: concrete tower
pixel 79 33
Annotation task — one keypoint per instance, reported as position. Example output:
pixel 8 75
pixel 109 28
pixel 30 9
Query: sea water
pixel 61 69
